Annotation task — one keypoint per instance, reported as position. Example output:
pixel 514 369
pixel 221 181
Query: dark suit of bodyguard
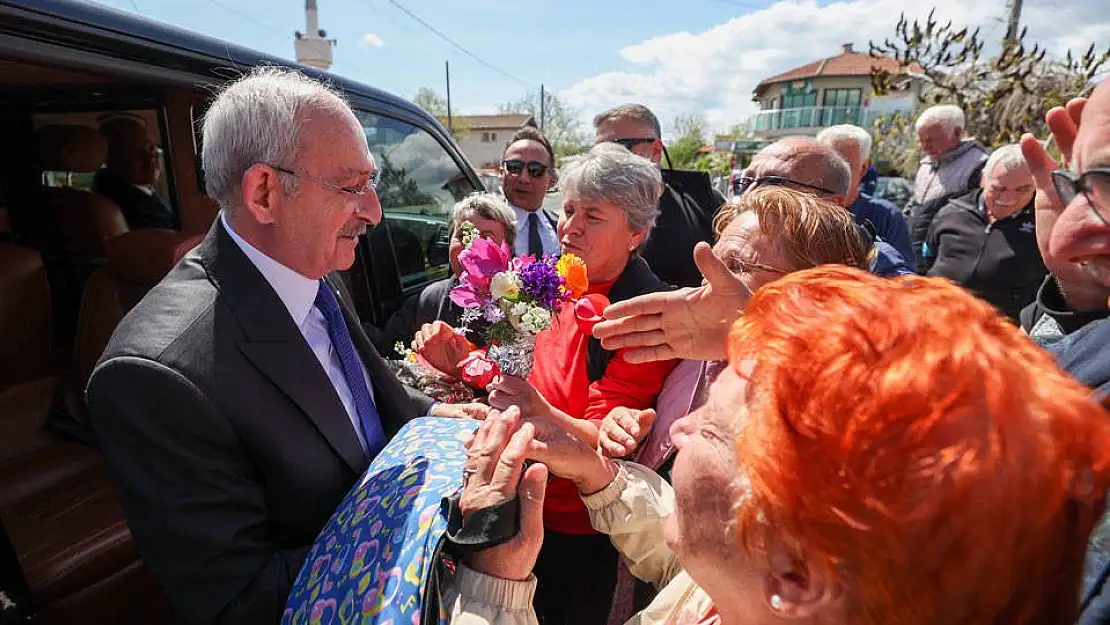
pixel 240 400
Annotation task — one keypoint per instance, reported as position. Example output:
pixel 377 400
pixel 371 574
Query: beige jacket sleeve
pixel 477 599
pixel 632 510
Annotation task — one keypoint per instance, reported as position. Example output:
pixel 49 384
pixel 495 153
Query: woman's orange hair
pixel 910 442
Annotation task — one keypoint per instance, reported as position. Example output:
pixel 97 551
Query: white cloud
pixel 715 71
pixel 371 40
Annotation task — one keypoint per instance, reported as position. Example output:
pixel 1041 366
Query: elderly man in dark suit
pixel 240 400
pixel 133 167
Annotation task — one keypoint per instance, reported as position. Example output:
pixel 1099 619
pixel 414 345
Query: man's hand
pixel 496 457
pixel 622 431
pixel 687 323
pixel 473 410
pixel 442 347
pixel 1064 124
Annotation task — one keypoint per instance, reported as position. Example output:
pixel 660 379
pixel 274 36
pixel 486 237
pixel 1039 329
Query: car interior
pixel 70 268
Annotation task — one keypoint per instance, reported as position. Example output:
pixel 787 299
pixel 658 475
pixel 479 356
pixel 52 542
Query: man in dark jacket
pixel 1078 234
pixel 986 240
pixel 687 206
pixel 130 175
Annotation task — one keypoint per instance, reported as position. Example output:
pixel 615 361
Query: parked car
pixel 70 268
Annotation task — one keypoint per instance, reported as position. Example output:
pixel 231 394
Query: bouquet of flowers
pixel 513 298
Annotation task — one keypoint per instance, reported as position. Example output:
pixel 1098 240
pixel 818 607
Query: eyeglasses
pixel 1093 183
pixel 628 144
pixel 746 183
pixel 515 166
pixel 360 191
pixel 737 265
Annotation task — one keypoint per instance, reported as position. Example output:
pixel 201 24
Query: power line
pixel 456 44
pixel 135 6
pixel 247 17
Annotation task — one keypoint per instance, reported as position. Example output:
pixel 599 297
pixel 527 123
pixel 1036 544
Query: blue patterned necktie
pixel 352 371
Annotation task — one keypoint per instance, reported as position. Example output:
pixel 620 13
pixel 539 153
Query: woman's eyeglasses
pixel 1093 183
pixel 515 166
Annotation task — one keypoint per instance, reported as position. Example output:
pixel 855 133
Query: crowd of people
pixel 801 403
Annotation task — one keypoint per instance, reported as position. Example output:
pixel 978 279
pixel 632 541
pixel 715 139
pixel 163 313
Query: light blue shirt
pixel 548 236
pixel 298 293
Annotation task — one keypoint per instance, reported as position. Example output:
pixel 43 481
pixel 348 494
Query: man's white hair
pixel 847 132
pixel 947 116
pixel 254 120
pixel 1008 157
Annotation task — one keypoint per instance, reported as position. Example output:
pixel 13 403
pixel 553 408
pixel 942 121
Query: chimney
pixel 846 48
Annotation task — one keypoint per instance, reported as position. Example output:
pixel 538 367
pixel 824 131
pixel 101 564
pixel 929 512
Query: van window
pixel 420 182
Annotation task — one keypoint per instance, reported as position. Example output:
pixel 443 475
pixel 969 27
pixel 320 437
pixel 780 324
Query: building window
pixel 485 137
pixel 798 110
pixel 493 136
pixel 840 106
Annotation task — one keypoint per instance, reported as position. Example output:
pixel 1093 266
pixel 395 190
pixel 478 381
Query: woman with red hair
pixel 859 462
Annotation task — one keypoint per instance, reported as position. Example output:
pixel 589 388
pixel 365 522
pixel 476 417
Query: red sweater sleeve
pixel 625 384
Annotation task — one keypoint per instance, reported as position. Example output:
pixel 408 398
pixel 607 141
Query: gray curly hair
pixel 610 173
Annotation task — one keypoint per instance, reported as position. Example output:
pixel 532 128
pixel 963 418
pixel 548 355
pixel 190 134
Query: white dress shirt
pixel 298 293
pixel 548 236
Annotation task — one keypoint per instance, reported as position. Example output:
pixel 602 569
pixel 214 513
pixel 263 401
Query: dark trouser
pixel 577 576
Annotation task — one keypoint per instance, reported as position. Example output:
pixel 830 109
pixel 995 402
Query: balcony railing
pixel 807 117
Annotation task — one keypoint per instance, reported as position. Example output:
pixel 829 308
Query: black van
pixel 72 262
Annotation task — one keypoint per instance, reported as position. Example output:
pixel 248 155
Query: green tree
pixel 560 122
pixel 1002 96
pixel 689 131
pixel 430 100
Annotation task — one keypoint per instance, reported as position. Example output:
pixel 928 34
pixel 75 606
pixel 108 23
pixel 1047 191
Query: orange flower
pixel 573 270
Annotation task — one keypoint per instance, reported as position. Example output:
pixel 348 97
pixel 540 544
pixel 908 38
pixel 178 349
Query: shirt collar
pixel 297 292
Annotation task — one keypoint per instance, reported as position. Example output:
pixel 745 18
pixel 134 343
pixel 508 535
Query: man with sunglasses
pixel 527 172
pixel 1073 205
pixel 688 203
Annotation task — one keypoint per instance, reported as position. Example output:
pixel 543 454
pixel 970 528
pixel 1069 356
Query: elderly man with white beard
pixel 986 240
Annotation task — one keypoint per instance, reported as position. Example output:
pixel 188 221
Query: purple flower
pixel 492 313
pixel 543 283
pixel 480 262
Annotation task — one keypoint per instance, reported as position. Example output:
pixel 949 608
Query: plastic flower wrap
pixel 515 298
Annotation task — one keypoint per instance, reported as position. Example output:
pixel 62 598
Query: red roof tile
pixel 848 63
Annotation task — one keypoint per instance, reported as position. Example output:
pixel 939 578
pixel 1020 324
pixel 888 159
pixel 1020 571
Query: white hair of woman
pixel 257 120
pixel 948 116
pixel 610 173
pixel 485 205
pixel 848 132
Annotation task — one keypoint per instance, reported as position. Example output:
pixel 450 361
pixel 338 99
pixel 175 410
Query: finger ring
pixel 467 473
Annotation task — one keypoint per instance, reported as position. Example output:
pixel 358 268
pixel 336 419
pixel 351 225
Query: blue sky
pixel 557 44
pixel 675 56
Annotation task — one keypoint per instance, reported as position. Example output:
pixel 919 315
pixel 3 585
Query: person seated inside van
pixel 131 173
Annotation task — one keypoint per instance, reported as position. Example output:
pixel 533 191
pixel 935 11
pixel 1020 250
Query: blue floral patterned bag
pixel 375 562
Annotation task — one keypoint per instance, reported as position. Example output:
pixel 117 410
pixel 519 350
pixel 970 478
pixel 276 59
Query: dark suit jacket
pixel 686 211
pixel 140 210
pixel 228 441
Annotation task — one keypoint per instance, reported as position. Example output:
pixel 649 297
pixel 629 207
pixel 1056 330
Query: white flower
pixel 504 284
pixel 535 320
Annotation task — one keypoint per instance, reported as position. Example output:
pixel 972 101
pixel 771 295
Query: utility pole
pixel 543 103
pixel 1012 25
pixel 450 127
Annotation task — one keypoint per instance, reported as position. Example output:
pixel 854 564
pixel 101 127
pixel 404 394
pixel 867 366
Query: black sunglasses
pixel 628 144
pixel 1093 183
pixel 746 183
pixel 515 166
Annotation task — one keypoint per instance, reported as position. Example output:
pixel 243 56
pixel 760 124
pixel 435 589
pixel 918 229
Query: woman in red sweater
pixel 611 200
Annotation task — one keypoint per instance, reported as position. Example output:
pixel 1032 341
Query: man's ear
pixel 793 590
pixel 261 191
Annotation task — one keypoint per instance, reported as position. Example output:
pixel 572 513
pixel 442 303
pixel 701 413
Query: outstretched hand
pixel 441 346
pixel 622 431
pixel 495 464
pixel 1064 124
pixel 690 323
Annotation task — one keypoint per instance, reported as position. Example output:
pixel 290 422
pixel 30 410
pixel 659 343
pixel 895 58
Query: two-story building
pixel 827 92
pixel 483 137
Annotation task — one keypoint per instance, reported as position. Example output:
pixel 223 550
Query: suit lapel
pixel 276 347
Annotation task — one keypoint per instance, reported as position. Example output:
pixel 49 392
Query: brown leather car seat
pixel 27 383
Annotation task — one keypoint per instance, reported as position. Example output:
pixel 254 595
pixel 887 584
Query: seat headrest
pixel 146 256
pixel 71 148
